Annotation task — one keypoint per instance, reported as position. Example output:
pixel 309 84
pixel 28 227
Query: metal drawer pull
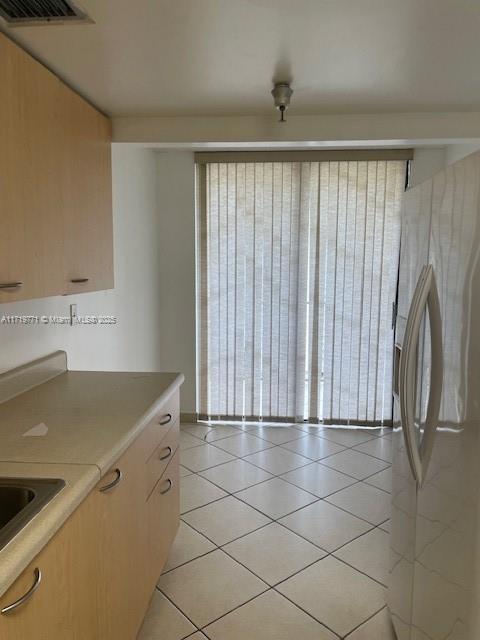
pixel 170 485
pixel 10 285
pixel 168 453
pixel 166 419
pixel 18 603
pixel 114 483
pixel 79 280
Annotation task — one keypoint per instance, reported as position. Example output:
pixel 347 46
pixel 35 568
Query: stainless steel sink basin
pixel 20 500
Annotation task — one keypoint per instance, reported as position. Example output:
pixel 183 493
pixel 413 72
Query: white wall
pixel 427 161
pixel 176 198
pixel 134 342
pixel 456 152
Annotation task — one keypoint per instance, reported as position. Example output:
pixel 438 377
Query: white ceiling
pixel 211 57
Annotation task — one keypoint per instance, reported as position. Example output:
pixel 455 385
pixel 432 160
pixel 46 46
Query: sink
pixel 20 500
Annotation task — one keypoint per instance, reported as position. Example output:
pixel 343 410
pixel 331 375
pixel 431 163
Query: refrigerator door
pixel 447 496
pixel 413 258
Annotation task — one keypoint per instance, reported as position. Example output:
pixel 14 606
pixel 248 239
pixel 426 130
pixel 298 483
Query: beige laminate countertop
pixel 92 418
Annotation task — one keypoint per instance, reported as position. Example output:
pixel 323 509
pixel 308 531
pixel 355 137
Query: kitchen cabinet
pixel 87 195
pixel 100 569
pixel 163 518
pixel 55 185
pixel 122 547
pixel 64 606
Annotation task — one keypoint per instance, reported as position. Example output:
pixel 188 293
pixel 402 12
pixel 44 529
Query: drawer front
pixel 161 457
pixel 160 425
pixel 163 508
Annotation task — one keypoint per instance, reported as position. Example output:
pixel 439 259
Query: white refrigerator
pixel 434 586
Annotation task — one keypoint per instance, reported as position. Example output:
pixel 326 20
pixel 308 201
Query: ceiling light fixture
pixel 282 93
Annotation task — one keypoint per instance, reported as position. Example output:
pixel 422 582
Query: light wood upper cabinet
pixel 64 605
pixel 55 184
pixel 87 195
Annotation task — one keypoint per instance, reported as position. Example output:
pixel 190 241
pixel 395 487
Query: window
pixel 297 268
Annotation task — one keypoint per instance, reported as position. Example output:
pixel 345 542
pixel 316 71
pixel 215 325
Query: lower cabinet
pixel 99 571
pixel 163 518
pixel 64 604
pixel 122 535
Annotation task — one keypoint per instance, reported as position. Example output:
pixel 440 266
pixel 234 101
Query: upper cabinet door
pixel 87 195
pixel 55 185
pixel 31 255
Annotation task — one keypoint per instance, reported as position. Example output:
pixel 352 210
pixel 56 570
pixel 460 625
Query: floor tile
pixel 235 475
pixel 346 437
pixel 218 432
pixel 325 525
pixel 277 460
pixel 210 586
pixel 225 520
pixel 318 479
pixel 188 545
pixel 355 463
pixel 277 435
pixel 337 595
pixel 204 457
pixel 276 497
pixel 313 448
pixel 370 554
pixel 185 472
pixel 377 628
pixel 197 636
pixel 380 448
pixel 163 621
pixel 243 444
pixel 364 501
pixel 274 553
pixel 268 617
pixel 186 441
pixel 196 491
pixel 381 480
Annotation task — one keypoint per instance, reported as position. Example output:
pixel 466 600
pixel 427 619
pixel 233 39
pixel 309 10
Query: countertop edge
pixel 105 463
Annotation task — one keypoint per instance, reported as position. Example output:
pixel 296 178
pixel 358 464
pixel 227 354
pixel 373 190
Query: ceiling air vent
pixel 31 12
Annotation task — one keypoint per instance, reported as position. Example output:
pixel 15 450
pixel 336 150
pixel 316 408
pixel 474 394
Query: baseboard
pixel 190 418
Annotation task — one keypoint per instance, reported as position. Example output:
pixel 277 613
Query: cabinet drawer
pixel 160 425
pixel 163 508
pixel 161 457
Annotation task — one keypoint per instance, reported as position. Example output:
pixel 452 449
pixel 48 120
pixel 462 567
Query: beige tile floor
pixel 284 536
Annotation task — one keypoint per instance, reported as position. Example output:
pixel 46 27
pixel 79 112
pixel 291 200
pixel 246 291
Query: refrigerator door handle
pixel 426 293
pixel 436 374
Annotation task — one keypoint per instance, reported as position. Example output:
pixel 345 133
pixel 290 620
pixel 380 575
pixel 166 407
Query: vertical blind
pixel 297 268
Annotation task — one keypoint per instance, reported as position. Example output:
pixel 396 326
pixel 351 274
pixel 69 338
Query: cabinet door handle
pixel 37 578
pixel 166 419
pixel 10 285
pixel 111 485
pixel 168 453
pixel 170 485
pixel 79 280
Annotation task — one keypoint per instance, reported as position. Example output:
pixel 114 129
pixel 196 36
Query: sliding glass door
pixel 297 268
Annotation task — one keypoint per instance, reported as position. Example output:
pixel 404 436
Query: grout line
pixel 178 609
pixel 364 622
pixel 307 612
